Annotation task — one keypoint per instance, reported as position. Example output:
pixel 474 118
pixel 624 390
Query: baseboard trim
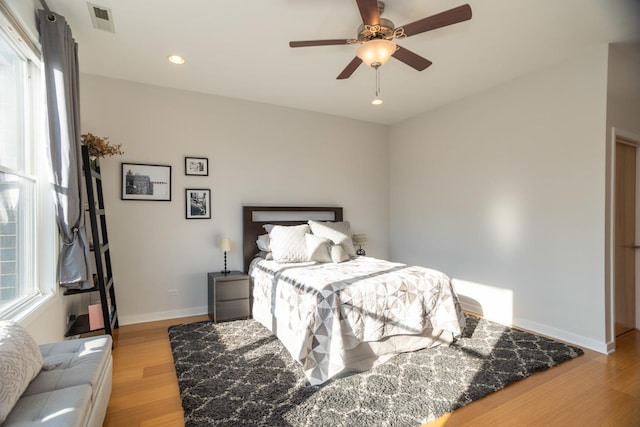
pixel 549 331
pixel 562 335
pixel 161 315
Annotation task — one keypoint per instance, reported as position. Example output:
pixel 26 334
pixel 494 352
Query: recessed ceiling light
pixel 176 59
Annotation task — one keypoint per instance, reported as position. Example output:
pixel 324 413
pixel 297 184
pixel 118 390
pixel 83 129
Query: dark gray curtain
pixel 60 56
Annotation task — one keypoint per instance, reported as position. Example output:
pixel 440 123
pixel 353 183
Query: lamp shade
pixel 359 239
pixel 225 245
pixel 376 51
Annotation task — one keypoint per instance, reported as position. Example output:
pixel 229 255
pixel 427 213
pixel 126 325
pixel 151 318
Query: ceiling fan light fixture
pixel 377 101
pixel 376 51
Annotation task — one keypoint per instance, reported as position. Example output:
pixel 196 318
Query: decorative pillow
pixel 264 243
pixel 288 243
pixel 20 362
pixel 338 254
pixel 338 232
pixel 265 255
pixel 318 248
pixel 268 227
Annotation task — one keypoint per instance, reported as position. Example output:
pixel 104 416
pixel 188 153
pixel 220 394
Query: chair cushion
pixel 71 363
pixel 69 407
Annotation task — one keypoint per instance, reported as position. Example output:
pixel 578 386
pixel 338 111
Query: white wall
pixel 257 154
pixel 623 95
pixel 623 114
pixel 48 322
pixel 504 191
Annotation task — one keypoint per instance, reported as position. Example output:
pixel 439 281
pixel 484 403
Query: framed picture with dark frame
pixel 196 166
pixel 141 181
pixel 197 203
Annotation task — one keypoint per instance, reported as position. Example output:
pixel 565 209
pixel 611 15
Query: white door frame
pixel 610 313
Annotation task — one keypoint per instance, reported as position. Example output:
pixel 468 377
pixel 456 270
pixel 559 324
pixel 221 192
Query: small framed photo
pixel 142 181
pixel 196 166
pixel 198 203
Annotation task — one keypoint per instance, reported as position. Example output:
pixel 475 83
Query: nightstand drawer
pixel 234 309
pixel 229 296
pixel 232 289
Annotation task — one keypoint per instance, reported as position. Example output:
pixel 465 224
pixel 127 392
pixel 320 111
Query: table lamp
pixel 225 245
pixel 360 240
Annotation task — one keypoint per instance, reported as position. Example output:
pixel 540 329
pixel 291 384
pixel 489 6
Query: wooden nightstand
pixel 228 296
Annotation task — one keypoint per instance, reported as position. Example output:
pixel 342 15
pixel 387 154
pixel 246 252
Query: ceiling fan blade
pixel 448 17
pixel 349 69
pixel 369 11
pixel 307 43
pixel 411 59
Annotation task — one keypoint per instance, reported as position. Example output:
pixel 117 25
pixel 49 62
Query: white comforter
pixel 332 307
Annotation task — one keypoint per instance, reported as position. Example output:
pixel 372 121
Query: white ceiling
pixel 240 49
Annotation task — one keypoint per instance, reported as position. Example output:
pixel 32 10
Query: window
pixel 27 236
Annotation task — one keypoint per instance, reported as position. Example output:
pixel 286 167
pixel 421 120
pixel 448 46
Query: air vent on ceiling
pixel 101 17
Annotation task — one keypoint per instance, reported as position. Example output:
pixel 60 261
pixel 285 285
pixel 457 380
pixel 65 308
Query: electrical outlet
pixel 172 292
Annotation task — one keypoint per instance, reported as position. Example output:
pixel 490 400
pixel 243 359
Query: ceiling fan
pixel 375 35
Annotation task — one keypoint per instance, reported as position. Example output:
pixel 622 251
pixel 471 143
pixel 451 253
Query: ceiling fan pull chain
pixel 377 100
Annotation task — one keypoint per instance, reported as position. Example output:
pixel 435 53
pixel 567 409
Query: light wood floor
pixel 591 390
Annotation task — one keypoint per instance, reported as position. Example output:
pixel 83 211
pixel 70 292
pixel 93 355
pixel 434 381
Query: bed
pixel 342 314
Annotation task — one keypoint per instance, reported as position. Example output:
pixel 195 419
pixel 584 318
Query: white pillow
pixel 267 227
pixel 264 255
pixel 20 362
pixel 264 243
pixel 338 232
pixel 318 248
pixel 338 254
pixel 288 243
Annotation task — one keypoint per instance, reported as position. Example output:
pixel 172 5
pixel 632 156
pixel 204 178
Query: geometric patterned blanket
pixel 331 307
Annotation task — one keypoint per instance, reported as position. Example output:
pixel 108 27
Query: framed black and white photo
pixel 196 166
pixel 142 181
pixel 198 203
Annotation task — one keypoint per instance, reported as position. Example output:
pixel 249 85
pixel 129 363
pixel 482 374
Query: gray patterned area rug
pixel 238 373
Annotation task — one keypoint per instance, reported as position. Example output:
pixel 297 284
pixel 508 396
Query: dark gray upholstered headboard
pixel 255 217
